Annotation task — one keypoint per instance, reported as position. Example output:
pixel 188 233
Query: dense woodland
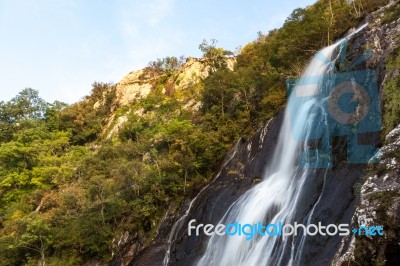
pixel 67 193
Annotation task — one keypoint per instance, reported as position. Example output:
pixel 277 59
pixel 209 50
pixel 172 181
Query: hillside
pixel 104 180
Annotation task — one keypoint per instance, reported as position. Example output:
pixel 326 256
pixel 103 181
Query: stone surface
pixel 138 84
pixel 379 205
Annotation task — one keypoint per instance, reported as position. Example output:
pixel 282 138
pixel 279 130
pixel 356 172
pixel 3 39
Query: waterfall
pixel 283 195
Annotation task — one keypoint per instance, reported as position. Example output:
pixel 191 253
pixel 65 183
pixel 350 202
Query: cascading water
pixel 283 193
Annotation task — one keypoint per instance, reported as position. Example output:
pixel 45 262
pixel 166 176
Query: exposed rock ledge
pixel 138 84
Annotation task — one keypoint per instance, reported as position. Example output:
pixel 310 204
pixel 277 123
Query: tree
pixel 219 91
pixel 216 56
pixel 31 235
pixel 20 111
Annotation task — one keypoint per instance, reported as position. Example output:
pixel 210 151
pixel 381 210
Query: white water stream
pixel 277 197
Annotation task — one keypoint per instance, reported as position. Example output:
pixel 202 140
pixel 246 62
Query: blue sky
pixel 60 47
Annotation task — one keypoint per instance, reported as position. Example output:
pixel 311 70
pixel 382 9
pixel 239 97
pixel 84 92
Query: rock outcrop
pixel 379 191
pixel 138 84
pixel 379 205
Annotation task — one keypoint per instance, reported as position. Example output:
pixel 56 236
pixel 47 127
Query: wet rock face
pixel 380 205
pixel 331 192
pixel 241 171
pixel 379 191
pixel 380 39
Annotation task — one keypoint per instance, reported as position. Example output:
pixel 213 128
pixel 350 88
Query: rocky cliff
pixel 379 190
pixel 181 82
pixel 138 84
pixel 379 204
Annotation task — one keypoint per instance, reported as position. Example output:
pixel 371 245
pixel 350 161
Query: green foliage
pixel 366 6
pixel 32 237
pixel 370 252
pixel 392 14
pixel 66 193
pixel 168 63
pixel 20 112
pixel 35 159
pixel 86 118
pixel 391 94
pixel 255 90
pixel 216 56
pixel 162 66
pixel 26 105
